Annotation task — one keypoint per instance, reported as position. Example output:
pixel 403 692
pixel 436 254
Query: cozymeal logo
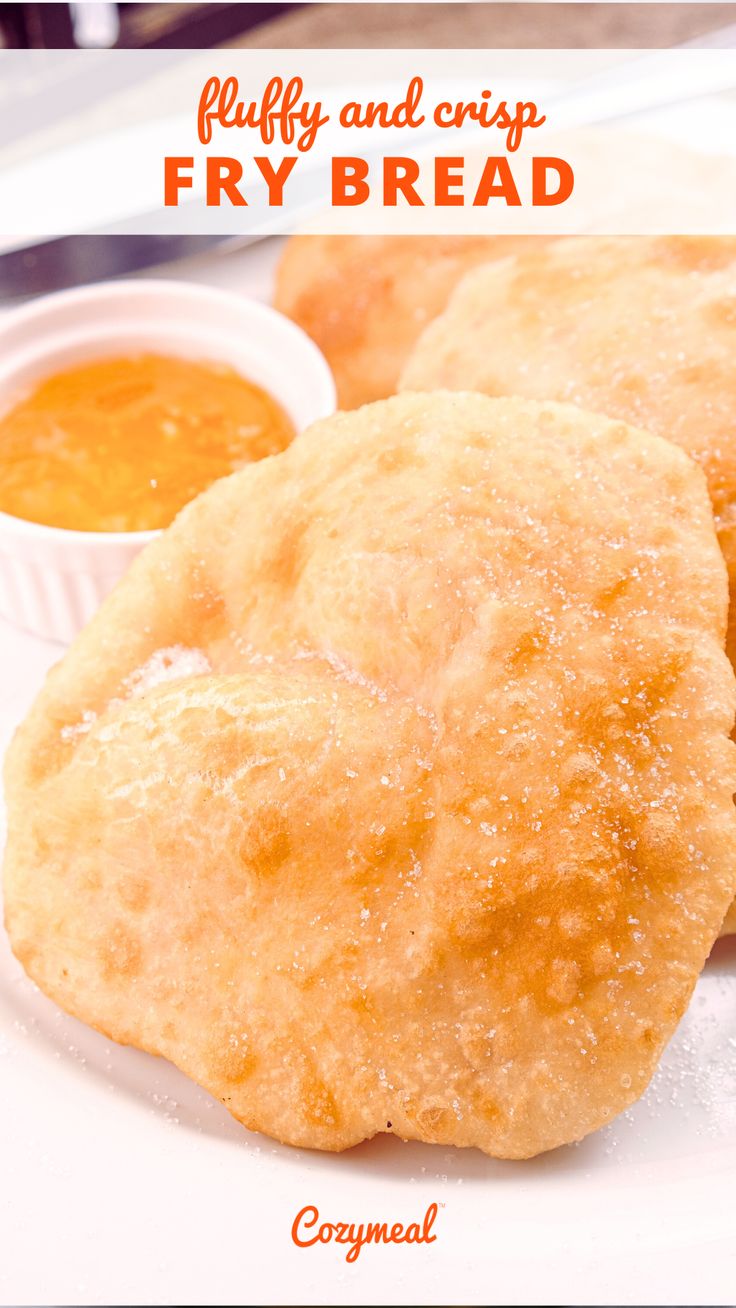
pixel 308 1230
pixel 284 114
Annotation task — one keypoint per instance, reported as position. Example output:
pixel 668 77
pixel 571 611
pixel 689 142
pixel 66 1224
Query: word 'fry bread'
pixel 391 789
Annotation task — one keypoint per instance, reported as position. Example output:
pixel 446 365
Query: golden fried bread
pixel 640 329
pixel 391 789
pixel 366 299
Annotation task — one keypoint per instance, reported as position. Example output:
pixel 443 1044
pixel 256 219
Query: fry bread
pixel 640 329
pixel 366 299
pixel 391 790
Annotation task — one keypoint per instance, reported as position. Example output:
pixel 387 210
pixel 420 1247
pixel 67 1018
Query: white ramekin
pixel 51 579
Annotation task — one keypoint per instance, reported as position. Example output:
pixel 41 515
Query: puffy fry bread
pixel 391 789
pixel 640 329
pixel 366 299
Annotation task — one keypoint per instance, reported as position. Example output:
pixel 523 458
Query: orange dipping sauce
pixel 122 444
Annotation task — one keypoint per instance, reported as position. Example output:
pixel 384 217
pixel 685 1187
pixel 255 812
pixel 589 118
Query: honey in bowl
pixel 121 444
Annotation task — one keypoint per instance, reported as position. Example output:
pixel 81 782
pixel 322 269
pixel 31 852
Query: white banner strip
pixel 462 141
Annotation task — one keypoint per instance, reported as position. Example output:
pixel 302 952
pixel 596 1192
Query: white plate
pixel 122 1182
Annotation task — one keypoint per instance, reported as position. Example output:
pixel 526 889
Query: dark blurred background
pixel 132 26
pixel 98 24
